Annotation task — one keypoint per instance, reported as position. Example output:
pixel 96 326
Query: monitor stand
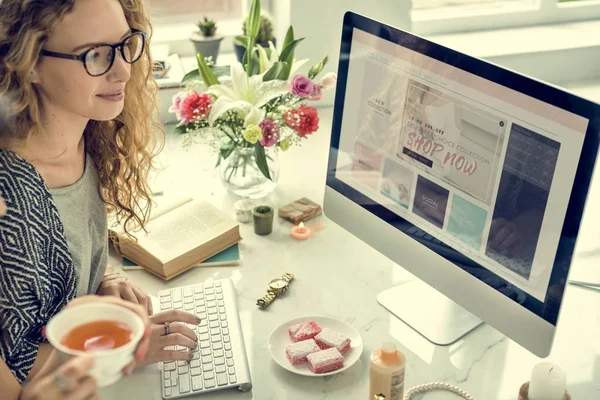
pixel 433 315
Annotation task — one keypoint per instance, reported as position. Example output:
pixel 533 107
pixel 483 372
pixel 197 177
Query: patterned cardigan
pixel 37 275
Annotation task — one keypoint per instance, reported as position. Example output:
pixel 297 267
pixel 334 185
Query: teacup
pixel 108 364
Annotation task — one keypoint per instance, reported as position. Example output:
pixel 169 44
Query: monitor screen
pixel 475 162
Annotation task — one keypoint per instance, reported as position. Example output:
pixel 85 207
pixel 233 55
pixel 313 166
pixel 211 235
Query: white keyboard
pixel 220 360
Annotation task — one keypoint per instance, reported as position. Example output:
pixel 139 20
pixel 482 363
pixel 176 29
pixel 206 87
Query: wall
pixel 320 22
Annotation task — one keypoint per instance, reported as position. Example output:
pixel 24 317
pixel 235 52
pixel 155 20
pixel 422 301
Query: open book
pixel 181 234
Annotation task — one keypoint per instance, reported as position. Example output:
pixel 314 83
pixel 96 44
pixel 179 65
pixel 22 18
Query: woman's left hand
pixel 3 208
pixel 125 290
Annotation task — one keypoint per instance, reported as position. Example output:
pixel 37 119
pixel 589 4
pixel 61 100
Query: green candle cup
pixel 263 220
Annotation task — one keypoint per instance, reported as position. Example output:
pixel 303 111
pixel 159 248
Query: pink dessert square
pixel 325 360
pixel 304 331
pixel 297 352
pixel 329 338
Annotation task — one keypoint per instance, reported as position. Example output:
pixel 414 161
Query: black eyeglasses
pixel 99 59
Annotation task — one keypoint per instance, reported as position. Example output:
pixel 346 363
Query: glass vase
pixel 241 176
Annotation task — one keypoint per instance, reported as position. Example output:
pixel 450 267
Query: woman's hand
pixel 3 208
pixel 69 382
pixel 123 289
pixel 168 329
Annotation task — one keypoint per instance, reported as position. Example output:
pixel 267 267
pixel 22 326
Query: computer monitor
pixel 468 175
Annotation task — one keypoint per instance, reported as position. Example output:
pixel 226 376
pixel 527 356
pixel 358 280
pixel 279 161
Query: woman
pixel 78 73
pixel 71 381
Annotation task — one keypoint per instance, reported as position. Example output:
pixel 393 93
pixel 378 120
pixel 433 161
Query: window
pixel 445 16
pixel 431 4
pixel 192 10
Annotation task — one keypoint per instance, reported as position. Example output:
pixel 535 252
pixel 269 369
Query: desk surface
pixel 339 276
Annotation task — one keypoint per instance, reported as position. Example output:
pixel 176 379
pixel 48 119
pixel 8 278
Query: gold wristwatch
pixel 276 287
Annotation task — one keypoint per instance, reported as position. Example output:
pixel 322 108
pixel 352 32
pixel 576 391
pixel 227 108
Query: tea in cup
pixel 107 332
pixel 98 335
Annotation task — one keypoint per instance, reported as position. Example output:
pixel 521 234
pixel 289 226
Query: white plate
pixel 280 339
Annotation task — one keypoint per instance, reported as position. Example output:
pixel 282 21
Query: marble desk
pixel 339 276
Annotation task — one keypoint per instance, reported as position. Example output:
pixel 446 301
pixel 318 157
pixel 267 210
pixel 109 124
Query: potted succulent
pixel 265 35
pixel 205 40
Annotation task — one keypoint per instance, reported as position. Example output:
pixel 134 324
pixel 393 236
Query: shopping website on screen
pixel 484 168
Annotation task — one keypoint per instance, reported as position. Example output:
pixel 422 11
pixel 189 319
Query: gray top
pixel 83 214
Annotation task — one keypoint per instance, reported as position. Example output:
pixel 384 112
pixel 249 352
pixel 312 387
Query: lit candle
pixel 548 382
pixel 301 232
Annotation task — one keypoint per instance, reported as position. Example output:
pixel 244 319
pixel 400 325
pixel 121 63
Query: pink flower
pixel 302 86
pixel 176 106
pixel 270 132
pixel 316 94
pixel 195 106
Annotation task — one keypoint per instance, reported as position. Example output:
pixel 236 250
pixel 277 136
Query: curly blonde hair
pixel 123 149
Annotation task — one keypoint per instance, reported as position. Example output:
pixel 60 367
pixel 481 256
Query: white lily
pixel 267 61
pixel 244 93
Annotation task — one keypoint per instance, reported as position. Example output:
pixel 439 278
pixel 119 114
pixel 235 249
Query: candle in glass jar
pixel 301 232
pixel 548 382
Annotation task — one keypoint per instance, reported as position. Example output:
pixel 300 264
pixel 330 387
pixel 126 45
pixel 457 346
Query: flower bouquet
pixel 262 109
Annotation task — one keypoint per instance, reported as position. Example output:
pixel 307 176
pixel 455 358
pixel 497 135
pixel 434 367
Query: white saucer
pixel 280 339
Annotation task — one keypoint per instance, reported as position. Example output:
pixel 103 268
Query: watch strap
pixel 287 277
pixel 266 300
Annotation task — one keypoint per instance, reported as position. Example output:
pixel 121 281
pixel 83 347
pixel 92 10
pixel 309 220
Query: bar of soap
pixel 329 338
pixel 297 352
pixel 325 360
pixel 300 211
pixel 304 331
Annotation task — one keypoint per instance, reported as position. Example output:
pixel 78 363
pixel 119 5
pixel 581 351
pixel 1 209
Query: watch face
pixel 277 284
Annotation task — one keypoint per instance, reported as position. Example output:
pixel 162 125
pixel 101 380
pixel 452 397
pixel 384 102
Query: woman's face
pixel 65 85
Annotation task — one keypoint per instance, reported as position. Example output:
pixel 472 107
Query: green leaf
pixel 289 37
pixel 218 160
pixel 287 55
pixel 180 129
pixel 221 70
pixel 217 71
pixel 226 150
pixel 254 63
pixel 261 160
pixel 248 56
pixel 274 72
pixel 242 40
pixel 191 76
pixel 317 68
pixel 208 75
pixel 253 25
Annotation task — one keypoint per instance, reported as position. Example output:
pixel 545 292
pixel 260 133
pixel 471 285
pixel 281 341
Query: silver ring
pixel 61 381
pixel 167 328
